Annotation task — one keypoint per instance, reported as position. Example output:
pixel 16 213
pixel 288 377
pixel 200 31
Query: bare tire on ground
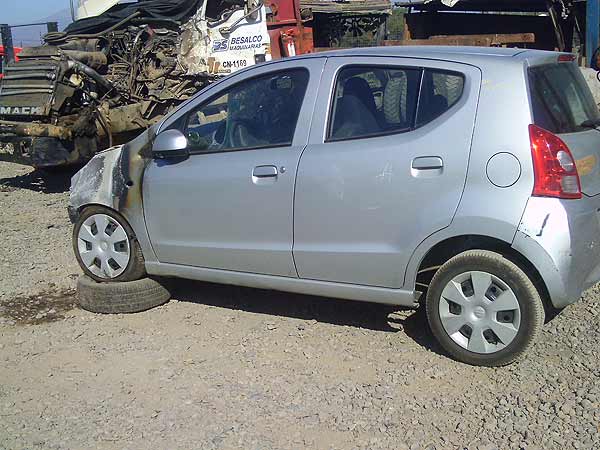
pixel 120 297
pixel 484 309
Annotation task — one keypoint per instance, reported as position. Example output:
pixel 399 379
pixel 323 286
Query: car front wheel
pixel 484 309
pixel 106 247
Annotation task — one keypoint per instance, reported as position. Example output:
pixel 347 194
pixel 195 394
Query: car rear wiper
pixel 590 123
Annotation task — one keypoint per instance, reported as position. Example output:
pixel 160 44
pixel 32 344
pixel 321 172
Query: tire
pixel 120 298
pixel 512 331
pixel 135 267
pixel 394 96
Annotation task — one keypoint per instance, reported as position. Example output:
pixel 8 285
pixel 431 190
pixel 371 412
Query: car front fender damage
pixel 113 178
pixel 95 183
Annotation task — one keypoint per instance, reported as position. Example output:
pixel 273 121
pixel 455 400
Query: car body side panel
pixel 460 227
pixel 486 209
pixel 360 209
pixel 560 238
pixel 209 211
pixel 502 127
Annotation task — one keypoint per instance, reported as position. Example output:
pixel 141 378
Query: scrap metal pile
pixel 103 76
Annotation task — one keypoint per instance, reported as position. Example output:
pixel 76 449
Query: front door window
pixel 258 113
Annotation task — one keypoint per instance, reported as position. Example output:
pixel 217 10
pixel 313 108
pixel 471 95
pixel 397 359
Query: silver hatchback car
pixel 464 180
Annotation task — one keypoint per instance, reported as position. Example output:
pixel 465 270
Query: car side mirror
pixel 170 144
pixel 595 63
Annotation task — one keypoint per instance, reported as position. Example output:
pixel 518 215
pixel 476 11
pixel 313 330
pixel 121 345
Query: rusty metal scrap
pixel 35 130
pixel 480 40
pixel 348 6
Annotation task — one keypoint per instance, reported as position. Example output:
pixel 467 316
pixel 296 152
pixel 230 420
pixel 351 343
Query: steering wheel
pixel 243 134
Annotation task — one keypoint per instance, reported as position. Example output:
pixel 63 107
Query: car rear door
pixel 229 205
pixel 385 165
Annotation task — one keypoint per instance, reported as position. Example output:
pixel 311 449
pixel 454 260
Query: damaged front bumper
pixel 562 239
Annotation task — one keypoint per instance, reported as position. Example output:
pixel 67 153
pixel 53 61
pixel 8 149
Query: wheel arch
pixel 81 208
pixel 447 248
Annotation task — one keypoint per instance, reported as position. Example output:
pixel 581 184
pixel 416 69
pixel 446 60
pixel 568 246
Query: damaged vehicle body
pixel 122 67
pixel 501 145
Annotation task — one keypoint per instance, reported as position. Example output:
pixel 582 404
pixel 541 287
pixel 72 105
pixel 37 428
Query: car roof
pixel 469 55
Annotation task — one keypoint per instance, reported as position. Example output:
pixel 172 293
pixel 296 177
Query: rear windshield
pixel 561 98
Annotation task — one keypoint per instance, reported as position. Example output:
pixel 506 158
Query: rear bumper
pixel 561 238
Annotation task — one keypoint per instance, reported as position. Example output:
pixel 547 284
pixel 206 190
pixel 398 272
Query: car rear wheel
pixel 106 247
pixel 484 309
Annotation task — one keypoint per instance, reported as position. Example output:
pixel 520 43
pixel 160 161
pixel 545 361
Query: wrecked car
pixel 460 180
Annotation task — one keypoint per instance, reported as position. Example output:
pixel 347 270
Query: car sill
pixel 398 297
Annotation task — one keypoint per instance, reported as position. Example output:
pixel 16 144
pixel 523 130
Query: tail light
pixel 566 57
pixel 555 173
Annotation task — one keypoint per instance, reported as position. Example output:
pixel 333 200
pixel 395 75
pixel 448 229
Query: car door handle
pixel 264 171
pixel 427 163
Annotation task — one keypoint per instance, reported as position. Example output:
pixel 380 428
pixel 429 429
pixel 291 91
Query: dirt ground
pixel 222 367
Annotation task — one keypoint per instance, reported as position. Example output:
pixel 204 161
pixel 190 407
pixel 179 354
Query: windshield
pixel 561 99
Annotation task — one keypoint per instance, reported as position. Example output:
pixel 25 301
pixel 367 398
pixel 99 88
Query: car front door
pixel 229 204
pixel 384 168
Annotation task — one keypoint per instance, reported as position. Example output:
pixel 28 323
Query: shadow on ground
pixel 48 181
pixel 371 316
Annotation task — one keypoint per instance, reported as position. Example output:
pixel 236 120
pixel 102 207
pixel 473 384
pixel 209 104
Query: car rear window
pixel 560 98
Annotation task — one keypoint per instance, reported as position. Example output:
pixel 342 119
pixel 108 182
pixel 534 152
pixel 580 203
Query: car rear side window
pixel 560 98
pixel 440 91
pixel 371 101
pixel 375 101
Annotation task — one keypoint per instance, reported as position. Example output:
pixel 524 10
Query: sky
pixel 17 12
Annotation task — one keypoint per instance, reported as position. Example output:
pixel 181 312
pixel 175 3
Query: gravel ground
pixel 223 367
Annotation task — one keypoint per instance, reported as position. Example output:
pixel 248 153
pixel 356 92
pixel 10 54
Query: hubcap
pixel 480 312
pixel 103 246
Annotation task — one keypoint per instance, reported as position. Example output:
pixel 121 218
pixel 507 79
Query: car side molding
pixel 346 291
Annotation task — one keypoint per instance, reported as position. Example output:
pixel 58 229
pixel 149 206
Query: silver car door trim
pixel 346 291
